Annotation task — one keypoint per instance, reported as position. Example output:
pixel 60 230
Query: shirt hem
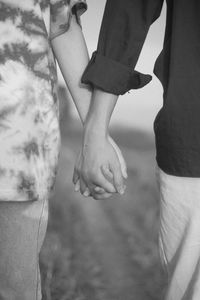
pixel 178 161
pixel 7 195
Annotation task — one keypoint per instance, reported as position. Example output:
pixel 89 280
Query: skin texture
pixel 108 177
pixel 98 164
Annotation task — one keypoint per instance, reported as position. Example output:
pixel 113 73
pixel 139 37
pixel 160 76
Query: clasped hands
pixel 100 168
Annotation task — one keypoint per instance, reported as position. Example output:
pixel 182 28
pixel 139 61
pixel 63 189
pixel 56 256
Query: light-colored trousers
pixel 22 231
pixel 179 236
pixel 23 227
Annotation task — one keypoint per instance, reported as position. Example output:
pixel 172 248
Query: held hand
pixel 107 173
pixel 120 157
pixel 98 192
pixel 100 167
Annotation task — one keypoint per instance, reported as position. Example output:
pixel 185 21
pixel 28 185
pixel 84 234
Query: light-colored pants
pixel 22 231
pixel 179 237
pixel 23 227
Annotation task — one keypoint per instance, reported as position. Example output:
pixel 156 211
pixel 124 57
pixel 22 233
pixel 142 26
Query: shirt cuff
pixel 78 8
pixel 61 14
pixel 112 76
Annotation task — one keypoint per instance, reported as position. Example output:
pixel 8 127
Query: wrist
pixel 94 135
pixel 95 128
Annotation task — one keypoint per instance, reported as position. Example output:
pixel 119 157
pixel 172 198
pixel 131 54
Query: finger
pixel 107 173
pixel 122 163
pixel 118 179
pixel 123 166
pixel 99 190
pixel 105 184
pixel 83 186
pixel 75 177
pixel 102 196
pixel 120 157
pixel 86 192
pixel 77 186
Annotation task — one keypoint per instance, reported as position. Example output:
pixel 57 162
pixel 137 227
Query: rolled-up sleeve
pixel 61 12
pixel 123 31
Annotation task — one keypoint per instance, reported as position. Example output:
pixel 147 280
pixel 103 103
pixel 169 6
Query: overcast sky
pixel 139 108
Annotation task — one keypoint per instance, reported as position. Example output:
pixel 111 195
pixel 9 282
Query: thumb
pixel 118 179
pixel 120 157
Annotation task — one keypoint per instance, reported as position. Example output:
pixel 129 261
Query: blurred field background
pixel 107 250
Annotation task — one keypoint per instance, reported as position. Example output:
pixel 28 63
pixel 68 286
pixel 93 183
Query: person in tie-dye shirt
pixel 33 33
pixel 29 116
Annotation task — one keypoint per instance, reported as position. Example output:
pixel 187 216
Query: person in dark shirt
pixel 177 125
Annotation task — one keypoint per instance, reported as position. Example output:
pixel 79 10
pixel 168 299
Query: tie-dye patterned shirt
pixel 29 109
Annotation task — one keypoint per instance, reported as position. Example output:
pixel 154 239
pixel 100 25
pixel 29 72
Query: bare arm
pixel 99 160
pixel 100 112
pixel 123 31
pixel 72 56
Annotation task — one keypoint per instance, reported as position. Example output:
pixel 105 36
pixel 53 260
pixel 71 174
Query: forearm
pixel 72 56
pixel 100 112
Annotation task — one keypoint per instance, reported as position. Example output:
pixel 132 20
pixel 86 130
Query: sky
pixel 138 108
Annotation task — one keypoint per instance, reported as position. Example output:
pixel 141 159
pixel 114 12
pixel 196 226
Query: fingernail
pixel 86 193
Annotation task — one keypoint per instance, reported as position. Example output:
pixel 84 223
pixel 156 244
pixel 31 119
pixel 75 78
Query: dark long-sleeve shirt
pixel 123 31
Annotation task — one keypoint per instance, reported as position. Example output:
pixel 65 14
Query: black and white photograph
pixel 99 149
